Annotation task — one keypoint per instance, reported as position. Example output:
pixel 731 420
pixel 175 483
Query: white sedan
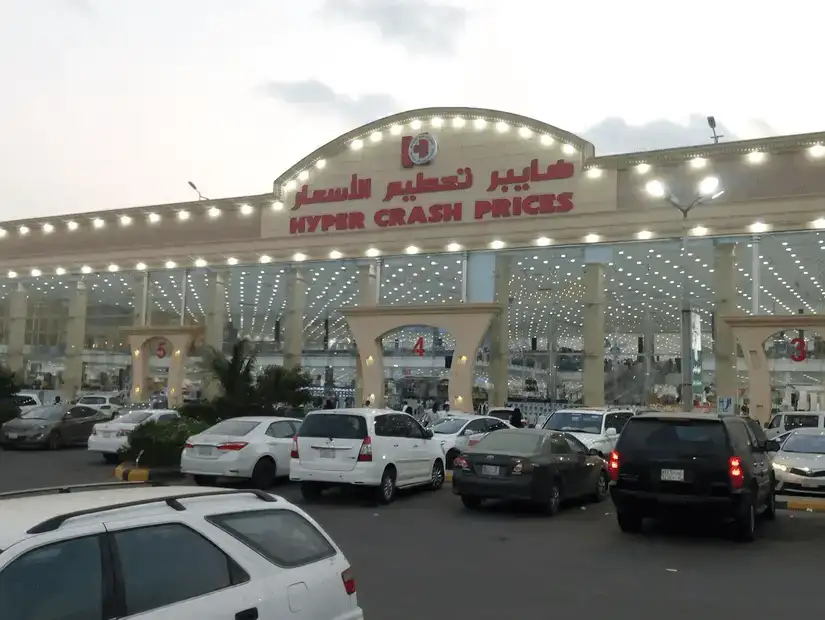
pixel 454 431
pixel 252 448
pixel 109 438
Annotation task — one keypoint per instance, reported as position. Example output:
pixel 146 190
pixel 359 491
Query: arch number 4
pixel 418 349
pixel 799 352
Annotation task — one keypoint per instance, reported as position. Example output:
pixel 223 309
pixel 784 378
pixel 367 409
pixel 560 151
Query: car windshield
pixel 808 444
pixel 510 442
pixel 333 425
pixel 575 422
pixel 501 414
pixel 44 413
pixel 448 426
pixel 234 428
pixel 135 417
pixel 678 437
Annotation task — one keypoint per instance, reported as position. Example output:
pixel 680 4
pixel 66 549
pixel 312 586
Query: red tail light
pixel 461 463
pixel 349 581
pixel 737 476
pixel 232 446
pixel 473 442
pixel 294 453
pixel 188 445
pixel 613 466
pixel 365 453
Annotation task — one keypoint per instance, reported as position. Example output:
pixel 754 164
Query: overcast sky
pixel 115 103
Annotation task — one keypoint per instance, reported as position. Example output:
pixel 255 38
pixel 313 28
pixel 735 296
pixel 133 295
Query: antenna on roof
pixel 712 124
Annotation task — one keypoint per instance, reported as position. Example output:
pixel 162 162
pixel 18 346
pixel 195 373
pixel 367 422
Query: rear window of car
pixel 235 428
pixel 510 442
pixel 801 421
pixel 501 414
pixel 25 401
pixel 679 437
pixel 92 400
pixel 283 537
pixel 335 425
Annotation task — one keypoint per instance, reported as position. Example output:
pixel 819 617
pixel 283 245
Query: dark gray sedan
pixel 51 426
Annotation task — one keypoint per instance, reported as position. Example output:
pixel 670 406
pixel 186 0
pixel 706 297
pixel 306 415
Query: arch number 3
pixel 799 352
pixel 418 349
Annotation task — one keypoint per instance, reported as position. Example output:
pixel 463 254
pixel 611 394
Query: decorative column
pixel 724 343
pixel 216 308
pixel 499 333
pixel 369 286
pixel 142 299
pixel 593 331
pixel 75 342
pixel 18 315
pixel 296 294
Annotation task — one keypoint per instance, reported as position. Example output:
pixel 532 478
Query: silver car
pixel 799 465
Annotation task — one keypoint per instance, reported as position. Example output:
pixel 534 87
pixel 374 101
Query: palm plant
pixel 234 374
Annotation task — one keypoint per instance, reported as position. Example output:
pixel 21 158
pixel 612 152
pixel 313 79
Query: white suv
pixel 598 429
pixel 364 447
pixel 184 553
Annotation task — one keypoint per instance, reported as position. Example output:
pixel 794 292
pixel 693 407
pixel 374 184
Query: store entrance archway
pixel 468 323
pixel 751 332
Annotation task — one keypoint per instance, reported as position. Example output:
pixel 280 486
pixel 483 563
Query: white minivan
pixel 377 448
pixel 791 420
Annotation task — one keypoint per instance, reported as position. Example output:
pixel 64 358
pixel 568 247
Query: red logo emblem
pixel 418 150
pixel 160 352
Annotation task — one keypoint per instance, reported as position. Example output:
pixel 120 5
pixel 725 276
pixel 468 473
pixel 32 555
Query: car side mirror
pixel 610 432
pixel 467 432
pixel 428 434
pixel 593 452
pixel 772 445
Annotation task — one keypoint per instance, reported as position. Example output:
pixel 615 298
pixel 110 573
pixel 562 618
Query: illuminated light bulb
pixel 416 124
pixel 817 151
pixel 183 215
pixel 496 244
pixel 321 164
pixel 12 274
pixel 200 262
pixel 154 218
pixel 373 252
pixel 303 175
pixel 335 254
pixel 231 261
pixel 698 231
pixel 3 232
pixel 141 266
pixel 290 185
pixel 708 186
pixel 594 173
pixel 396 130
pixel 479 123
pixel 819 223
pixel 437 122
pixel 298 256
pixel 644 235
pixel 265 258
pixel 277 206
pixel 23 230
pixel 525 132
pixel 592 238
pixel 656 188
pixel 48 228
pixel 568 149
pixel 755 157
pixel 459 122
pixel 36 273
pixel 697 163
pixel 543 241
pixel 643 168
pixel 247 209
pixel 502 127
pixel 125 220
pixel 98 223
pixel 71 225
pixel 411 249
pixel 547 140
pixel 376 136
pixel 60 271
pixel 453 247
pixel 356 145
pixel 758 227
pixel 214 212
pixel 170 264
pixel 85 269
pixel 113 268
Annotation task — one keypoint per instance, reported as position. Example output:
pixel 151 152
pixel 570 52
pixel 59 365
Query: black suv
pixel 712 465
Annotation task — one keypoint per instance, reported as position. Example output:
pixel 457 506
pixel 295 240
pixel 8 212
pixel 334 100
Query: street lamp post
pixel 708 189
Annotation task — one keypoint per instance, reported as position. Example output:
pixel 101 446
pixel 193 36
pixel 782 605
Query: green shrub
pixel 201 411
pixel 159 444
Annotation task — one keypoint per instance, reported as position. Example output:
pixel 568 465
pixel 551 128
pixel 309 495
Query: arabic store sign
pixel 508 194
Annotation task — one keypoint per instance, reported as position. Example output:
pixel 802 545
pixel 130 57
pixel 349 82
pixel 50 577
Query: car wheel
pixel 263 475
pixel 630 521
pixel 437 475
pixel 55 441
pixel 553 501
pixel 311 491
pixel 206 481
pixel 451 454
pixel 386 490
pixel 471 502
pixel 602 488
pixel 744 525
pixel 111 459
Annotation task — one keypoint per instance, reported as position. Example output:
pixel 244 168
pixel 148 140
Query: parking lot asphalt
pixel 426 556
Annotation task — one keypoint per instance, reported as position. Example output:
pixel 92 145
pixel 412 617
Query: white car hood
pixel 588 439
pixel 801 460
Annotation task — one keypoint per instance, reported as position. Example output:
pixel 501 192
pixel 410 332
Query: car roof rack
pixel 173 501
pixel 71 488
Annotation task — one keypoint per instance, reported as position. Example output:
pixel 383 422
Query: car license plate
pixel 327 454
pixel 673 475
pixel 810 485
pixel 204 450
pixel 12 435
pixel 108 435
pixel 489 470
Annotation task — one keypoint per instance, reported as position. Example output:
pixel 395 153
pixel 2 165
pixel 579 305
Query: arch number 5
pixel 418 349
pixel 799 352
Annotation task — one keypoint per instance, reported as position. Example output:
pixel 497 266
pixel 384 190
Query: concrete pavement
pixel 425 556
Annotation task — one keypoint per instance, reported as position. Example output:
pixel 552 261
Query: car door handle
pixel 395 445
pixel 415 445
pixel 247 614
